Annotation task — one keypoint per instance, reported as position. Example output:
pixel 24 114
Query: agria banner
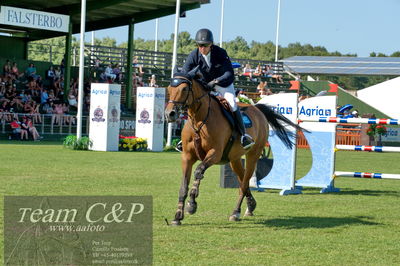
pixel 33 19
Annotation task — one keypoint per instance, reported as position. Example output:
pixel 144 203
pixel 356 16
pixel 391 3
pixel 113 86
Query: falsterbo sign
pixel 33 19
pixel 78 230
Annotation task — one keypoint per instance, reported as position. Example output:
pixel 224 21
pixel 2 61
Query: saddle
pixel 227 112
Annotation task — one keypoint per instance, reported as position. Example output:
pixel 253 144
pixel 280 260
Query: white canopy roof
pixel 384 96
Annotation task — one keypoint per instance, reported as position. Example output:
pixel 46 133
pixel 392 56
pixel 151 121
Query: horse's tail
pixel 279 123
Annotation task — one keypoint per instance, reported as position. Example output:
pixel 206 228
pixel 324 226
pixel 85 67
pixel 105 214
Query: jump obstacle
pixel 318 116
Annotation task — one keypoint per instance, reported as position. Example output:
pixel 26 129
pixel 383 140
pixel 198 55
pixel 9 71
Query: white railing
pixel 45 123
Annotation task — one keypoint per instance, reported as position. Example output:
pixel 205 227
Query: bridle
pixel 183 106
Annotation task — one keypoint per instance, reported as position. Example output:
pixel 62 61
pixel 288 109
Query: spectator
pixel 17 129
pixel 68 119
pixel 32 87
pixel 271 74
pixel 44 96
pixel 59 86
pixel 62 66
pixel 117 72
pixel 109 73
pixel 25 96
pixel 32 108
pixel 136 64
pixel 263 90
pixel 258 71
pixel 7 68
pixel 15 74
pixel 74 84
pixel 72 98
pixel 48 107
pixel 137 80
pixel 5 111
pixel 57 73
pixel 50 74
pixel 247 71
pixel 355 114
pixel 52 96
pixel 32 129
pixel 153 82
pixel 16 105
pixel 10 93
pixel 31 71
pixel 58 116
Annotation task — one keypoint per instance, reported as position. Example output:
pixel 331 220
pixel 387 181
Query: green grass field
pixel 359 226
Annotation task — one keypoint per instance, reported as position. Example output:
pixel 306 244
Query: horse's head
pixel 181 94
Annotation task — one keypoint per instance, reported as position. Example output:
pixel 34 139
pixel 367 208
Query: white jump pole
pixel 367 148
pixel 366 175
pixel 380 121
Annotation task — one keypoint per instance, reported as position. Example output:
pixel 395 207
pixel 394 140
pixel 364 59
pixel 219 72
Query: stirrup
pixel 247 141
pixel 179 147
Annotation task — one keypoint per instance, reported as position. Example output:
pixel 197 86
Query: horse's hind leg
pixel 187 165
pixel 237 167
pixel 251 204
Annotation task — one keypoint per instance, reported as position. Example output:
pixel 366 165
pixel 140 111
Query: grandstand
pixel 159 64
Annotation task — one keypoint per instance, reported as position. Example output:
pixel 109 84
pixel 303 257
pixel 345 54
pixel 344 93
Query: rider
pixel 216 67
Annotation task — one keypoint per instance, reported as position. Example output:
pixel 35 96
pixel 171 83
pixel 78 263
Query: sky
pixel 348 26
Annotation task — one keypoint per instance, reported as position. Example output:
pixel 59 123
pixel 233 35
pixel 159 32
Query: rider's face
pixel 204 48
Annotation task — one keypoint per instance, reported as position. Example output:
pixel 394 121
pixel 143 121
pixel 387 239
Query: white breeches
pixel 229 94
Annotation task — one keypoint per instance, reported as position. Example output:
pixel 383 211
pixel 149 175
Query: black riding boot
pixel 246 139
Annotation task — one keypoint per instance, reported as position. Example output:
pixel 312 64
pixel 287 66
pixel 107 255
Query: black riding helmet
pixel 204 36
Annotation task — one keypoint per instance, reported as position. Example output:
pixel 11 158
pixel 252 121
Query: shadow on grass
pixel 31 142
pixel 349 191
pixel 370 192
pixel 314 222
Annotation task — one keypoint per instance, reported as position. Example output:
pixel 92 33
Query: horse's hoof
pixel 234 218
pixel 191 208
pixel 176 223
pixel 248 214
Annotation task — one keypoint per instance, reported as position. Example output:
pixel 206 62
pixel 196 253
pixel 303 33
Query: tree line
pixel 237 48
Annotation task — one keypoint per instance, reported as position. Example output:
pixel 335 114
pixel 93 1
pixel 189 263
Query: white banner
pixel 33 19
pixel 150 116
pixel 315 107
pixel 105 116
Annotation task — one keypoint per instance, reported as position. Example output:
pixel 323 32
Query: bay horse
pixel 206 135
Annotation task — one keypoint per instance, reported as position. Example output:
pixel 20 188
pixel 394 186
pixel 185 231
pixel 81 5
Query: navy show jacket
pixel 220 69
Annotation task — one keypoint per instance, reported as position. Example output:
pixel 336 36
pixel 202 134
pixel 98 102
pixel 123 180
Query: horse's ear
pixel 192 73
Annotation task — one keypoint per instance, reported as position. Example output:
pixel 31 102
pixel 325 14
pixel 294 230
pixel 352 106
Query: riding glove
pixel 212 84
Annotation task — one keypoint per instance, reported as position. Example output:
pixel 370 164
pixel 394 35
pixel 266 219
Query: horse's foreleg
pixel 237 167
pixel 187 165
pixel 194 192
pixel 209 160
pixel 251 163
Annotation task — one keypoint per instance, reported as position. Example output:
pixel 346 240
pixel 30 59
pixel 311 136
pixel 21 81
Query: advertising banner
pixel 282 174
pixel 33 19
pixel 105 116
pixel 321 139
pixel 150 116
